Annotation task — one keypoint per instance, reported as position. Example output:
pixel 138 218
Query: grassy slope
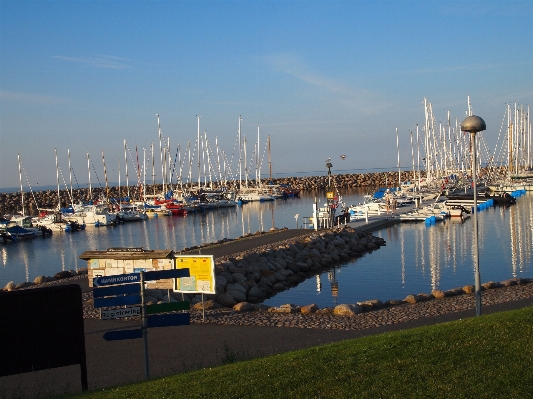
pixel 489 356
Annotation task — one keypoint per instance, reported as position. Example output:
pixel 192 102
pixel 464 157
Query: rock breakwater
pixel 260 273
pixel 11 203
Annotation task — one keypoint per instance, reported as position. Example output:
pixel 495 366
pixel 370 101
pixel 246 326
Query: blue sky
pixel 322 78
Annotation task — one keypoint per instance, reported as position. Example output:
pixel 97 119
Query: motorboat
pixel 92 215
pixel 130 213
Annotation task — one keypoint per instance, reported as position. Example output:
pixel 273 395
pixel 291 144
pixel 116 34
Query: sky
pixel 321 78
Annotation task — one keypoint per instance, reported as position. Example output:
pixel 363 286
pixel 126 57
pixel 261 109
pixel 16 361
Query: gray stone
pixel 256 292
pixel 237 295
pixel 24 285
pixel 238 277
pixel 226 301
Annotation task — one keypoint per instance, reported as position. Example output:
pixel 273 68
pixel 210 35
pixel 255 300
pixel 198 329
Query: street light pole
pixel 474 124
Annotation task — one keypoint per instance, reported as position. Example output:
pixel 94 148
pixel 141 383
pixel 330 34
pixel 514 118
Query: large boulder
pixel 63 274
pixel 244 307
pixel 309 309
pixel 347 310
pixel 255 294
pixel 226 300
pixel 40 279
pixel 237 295
pixel 10 286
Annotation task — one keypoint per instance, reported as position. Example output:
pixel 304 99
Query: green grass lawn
pixel 481 357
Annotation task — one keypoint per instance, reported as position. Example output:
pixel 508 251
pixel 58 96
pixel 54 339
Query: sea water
pixel 416 259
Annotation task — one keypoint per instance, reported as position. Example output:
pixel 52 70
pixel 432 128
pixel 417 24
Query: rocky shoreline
pixel 10 203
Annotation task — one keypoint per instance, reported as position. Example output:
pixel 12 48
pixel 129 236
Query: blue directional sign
pixel 123 334
pixel 122 289
pixel 117 279
pixel 163 274
pixel 164 320
pixel 117 301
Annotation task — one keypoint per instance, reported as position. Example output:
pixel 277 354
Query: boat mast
pixel 412 153
pixel 189 180
pixel 21 192
pixel 257 162
pixel 105 177
pixel 245 164
pixel 119 194
pixel 126 163
pixel 88 169
pixel 144 174
pixel 204 138
pixel 198 152
pixel 418 156
pixel 240 152
pixel 57 179
pixel 153 167
pixel 269 160
pixel 70 177
pixel 160 151
pixel 399 170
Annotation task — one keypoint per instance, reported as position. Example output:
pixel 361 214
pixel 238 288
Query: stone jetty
pixel 11 203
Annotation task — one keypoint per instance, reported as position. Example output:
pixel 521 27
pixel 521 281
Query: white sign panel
pixel 119 313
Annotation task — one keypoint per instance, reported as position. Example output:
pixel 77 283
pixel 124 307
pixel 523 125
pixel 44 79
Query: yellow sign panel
pixel 330 195
pixel 202 274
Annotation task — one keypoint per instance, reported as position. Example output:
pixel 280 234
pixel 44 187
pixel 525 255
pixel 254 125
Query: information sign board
pixel 116 301
pixel 172 319
pixel 117 279
pixel 202 274
pixel 120 313
pixel 100 292
pixel 123 334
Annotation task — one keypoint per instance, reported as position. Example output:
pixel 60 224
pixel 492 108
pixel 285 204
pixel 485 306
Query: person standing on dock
pixel 388 201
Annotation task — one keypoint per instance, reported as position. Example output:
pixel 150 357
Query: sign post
pixel 111 291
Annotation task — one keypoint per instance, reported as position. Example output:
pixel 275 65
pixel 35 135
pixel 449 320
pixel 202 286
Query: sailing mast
pixel 160 149
pixel 127 179
pixel 21 192
pixel 88 169
pixel 418 156
pixel 57 179
pixel 257 161
pixel 240 152
pixel 70 177
pixel 153 167
pixel 398 150
pixel 105 177
pixel 269 160
pixel 198 152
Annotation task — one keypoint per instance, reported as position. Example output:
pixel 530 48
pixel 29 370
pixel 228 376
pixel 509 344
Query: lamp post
pixel 329 195
pixel 474 124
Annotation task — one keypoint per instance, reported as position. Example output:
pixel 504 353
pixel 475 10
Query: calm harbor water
pixel 415 260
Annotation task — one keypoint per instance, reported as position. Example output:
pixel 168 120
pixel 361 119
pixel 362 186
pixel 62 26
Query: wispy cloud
pixel 294 66
pixel 29 98
pixel 103 61
pixel 361 99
